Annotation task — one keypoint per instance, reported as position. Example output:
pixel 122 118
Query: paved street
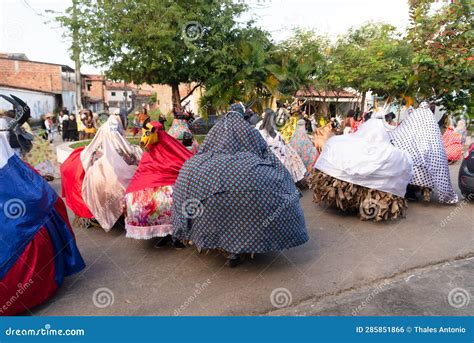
pixel 412 264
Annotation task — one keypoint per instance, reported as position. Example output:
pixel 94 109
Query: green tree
pixel 148 41
pixel 302 61
pixel 372 57
pixel 244 71
pixel 443 51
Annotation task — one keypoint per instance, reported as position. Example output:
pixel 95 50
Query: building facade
pixel 45 87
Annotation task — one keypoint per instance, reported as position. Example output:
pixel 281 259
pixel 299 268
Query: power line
pixel 39 14
pixel 35 11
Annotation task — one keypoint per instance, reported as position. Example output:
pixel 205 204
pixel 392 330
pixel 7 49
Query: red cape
pixel 160 165
pixel 33 273
pixel 72 176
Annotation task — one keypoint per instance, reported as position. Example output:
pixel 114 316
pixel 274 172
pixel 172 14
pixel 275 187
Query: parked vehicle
pixel 466 174
pixel 200 126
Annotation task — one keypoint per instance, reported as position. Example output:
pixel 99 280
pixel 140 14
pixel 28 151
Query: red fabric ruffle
pixel 72 176
pixel 31 279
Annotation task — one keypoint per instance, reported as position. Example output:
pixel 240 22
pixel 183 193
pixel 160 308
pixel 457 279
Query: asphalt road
pixel 343 263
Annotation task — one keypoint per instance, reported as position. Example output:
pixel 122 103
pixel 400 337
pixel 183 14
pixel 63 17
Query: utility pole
pixel 76 52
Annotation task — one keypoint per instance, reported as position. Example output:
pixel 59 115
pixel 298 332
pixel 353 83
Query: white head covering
pixel 5 149
pixel 108 172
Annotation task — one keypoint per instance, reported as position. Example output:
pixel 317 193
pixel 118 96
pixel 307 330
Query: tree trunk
pixel 76 50
pixel 362 103
pixel 175 97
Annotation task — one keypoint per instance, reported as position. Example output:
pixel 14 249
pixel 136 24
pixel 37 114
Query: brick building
pixel 45 87
pixel 94 92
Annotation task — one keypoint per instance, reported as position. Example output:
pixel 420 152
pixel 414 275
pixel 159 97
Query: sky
pixel 24 27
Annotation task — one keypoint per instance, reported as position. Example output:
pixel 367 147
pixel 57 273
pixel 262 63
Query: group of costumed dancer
pixel 376 169
pixel 238 193
pixel 219 198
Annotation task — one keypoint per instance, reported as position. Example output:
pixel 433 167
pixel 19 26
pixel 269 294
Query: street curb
pixel 64 150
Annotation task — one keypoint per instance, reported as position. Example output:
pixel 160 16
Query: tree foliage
pixel 167 41
pixel 244 71
pixel 202 42
pixel 373 57
pixel 443 51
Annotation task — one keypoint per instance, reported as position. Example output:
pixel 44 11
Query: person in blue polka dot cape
pixel 235 196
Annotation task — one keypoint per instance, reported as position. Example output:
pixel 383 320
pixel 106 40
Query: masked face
pixel 149 136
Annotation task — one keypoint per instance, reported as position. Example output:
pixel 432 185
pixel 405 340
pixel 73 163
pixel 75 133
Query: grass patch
pixel 132 140
pixel 200 138
pixel 79 144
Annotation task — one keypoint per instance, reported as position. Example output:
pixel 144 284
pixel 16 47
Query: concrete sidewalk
pixel 445 289
pixel 343 255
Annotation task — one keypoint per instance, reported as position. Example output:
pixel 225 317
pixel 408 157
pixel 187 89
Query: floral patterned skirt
pixel 149 213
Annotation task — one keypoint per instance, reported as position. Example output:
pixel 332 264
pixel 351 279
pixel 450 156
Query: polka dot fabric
pixel 245 198
pixel 420 136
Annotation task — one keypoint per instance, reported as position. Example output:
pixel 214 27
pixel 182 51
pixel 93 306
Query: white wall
pixel 39 103
pixel 118 97
pixel 69 101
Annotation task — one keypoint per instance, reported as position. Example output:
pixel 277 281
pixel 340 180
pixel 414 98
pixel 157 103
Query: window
pixel 112 93
pixel 88 85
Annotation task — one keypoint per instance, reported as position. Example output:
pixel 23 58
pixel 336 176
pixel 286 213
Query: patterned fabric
pixel 419 135
pixel 236 196
pixel 288 130
pixel 452 144
pixel 285 153
pixel 303 146
pixel 149 195
pixel 178 128
pixel 149 213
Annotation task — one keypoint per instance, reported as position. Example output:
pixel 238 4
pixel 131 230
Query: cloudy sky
pixel 24 27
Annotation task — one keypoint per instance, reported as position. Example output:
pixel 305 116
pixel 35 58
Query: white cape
pixel 367 158
pixel 109 162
